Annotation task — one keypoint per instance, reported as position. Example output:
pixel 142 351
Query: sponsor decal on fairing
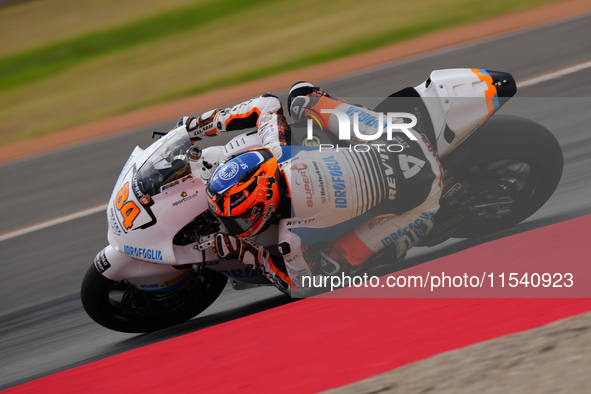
pixel 185 197
pixel 141 253
pixel 101 262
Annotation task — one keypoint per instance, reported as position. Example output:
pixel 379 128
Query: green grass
pixel 201 47
pixel 31 66
pixel 360 45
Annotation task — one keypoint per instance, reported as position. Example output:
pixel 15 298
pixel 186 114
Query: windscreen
pixel 167 166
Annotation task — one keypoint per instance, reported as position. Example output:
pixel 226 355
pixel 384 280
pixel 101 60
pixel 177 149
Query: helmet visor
pixel 240 224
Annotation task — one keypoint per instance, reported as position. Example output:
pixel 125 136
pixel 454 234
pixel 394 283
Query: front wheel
pixel 121 307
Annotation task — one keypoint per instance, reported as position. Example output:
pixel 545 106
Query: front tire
pixel 121 307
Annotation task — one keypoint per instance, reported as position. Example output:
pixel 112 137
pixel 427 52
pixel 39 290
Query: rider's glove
pixel 229 247
pixel 203 126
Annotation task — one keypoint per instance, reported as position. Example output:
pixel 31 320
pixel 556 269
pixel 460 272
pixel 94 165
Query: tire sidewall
pixel 511 137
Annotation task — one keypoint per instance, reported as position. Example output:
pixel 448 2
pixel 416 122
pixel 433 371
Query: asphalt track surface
pixel 43 328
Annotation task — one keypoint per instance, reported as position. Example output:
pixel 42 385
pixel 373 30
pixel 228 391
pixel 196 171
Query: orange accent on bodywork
pixel 326 103
pixel 122 195
pixel 490 92
pixel 352 248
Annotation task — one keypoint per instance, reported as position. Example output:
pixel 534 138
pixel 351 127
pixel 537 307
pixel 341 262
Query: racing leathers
pixel 348 208
pixel 264 112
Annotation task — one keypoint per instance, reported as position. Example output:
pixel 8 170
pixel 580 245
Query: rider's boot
pixel 305 98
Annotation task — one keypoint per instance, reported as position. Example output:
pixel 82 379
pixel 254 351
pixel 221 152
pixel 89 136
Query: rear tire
pixel 134 315
pixel 514 140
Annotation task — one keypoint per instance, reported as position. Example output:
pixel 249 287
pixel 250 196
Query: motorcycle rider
pixel 338 211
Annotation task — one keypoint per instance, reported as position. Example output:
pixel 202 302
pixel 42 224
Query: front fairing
pixel 157 194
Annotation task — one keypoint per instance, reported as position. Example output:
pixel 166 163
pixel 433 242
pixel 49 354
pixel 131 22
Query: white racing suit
pixel 350 209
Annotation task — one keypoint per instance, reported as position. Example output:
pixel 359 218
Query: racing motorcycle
pixel 498 170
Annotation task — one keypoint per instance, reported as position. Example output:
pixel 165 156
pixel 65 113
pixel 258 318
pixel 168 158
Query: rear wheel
pixel 513 166
pixel 120 306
